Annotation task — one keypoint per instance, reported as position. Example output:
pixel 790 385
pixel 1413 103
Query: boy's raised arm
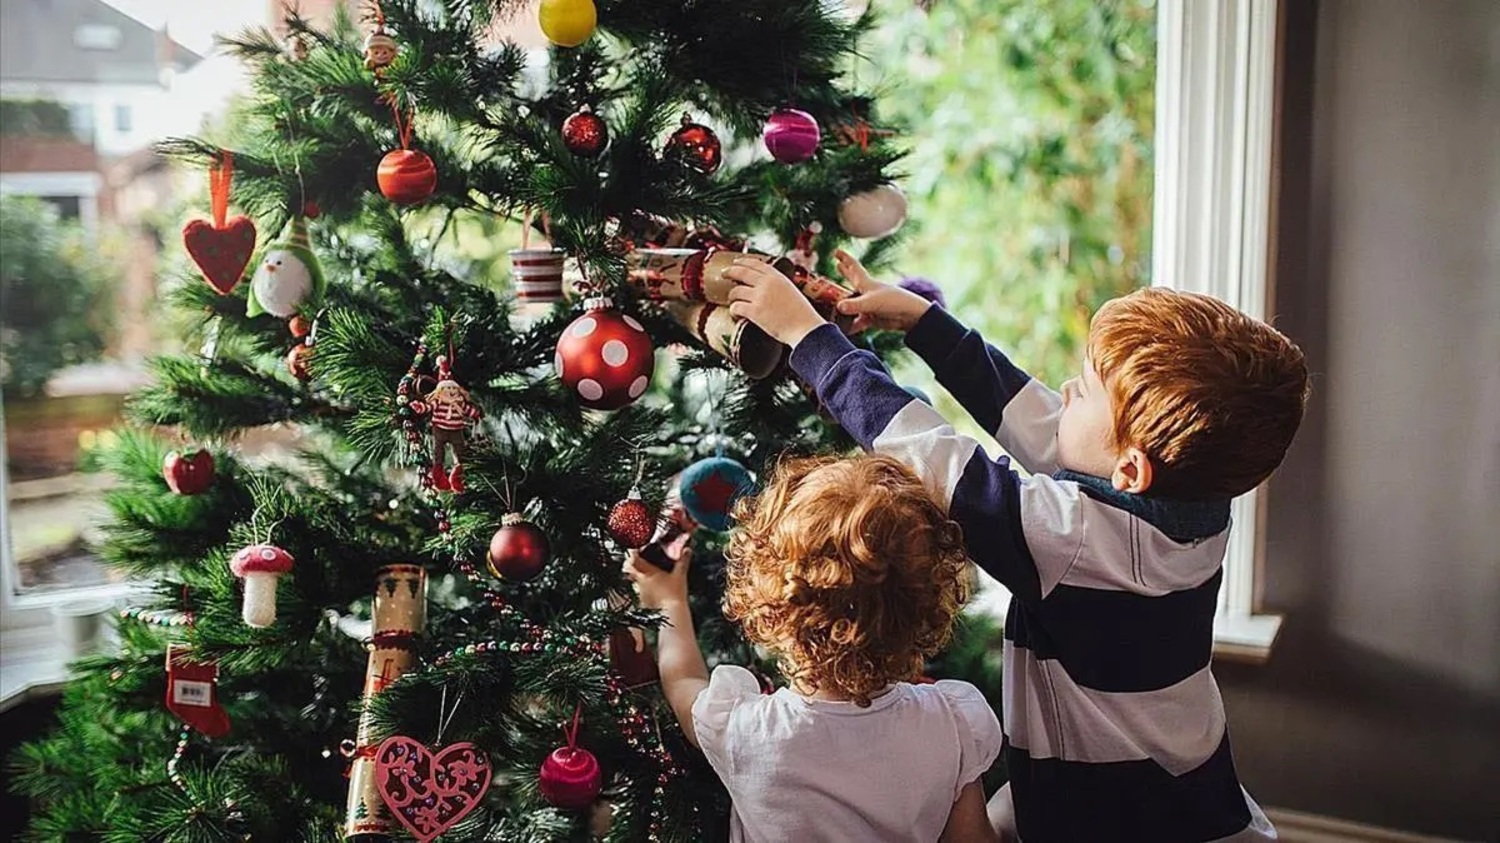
pixel 1020 411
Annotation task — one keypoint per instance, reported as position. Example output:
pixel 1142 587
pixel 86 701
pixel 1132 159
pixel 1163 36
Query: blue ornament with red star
pixel 710 488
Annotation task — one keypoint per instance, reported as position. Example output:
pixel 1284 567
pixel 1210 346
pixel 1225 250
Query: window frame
pixel 1217 101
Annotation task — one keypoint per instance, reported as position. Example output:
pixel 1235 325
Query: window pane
pixel 123 118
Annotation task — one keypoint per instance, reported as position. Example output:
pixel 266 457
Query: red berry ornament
pixel 584 133
pixel 190 473
pixel 518 550
pixel 792 136
pixel 605 357
pixel 696 146
pixel 406 176
pixel 570 778
pixel 630 522
pixel 298 359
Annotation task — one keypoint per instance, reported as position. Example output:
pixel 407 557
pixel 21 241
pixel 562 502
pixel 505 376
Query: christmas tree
pixel 419 624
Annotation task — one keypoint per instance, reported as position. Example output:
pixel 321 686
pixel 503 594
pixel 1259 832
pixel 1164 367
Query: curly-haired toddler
pixel 852 575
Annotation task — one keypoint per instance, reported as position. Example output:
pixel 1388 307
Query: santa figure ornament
pixel 605 357
pixel 450 412
pixel 288 277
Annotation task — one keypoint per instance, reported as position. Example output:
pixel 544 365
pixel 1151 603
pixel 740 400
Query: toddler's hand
pixel 657 588
pixel 769 299
pixel 878 305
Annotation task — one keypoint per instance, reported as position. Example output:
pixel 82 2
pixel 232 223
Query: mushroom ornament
pixel 259 565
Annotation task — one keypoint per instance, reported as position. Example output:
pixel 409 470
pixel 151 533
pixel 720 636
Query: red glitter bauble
pixel 605 357
pixel 630 522
pixel 696 146
pixel 584 133
pixel 406 176
pixel 518 550
pixel 570 778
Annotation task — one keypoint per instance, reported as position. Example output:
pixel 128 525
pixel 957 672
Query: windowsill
pixel 32 664
pixel 1246 639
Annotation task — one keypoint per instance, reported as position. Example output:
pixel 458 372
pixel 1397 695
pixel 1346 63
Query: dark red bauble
pixel 188 473
pixel 518 550
pixel 570 778
pixel 311 210
pixel 406 176
pixel 298 326
pixel 696 146
pixel 584 133
pixel 605 357
pixel 630 522
pixel 297 361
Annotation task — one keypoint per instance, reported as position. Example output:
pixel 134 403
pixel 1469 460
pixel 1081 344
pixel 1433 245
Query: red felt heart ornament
pixel 430 792
pixel 222 253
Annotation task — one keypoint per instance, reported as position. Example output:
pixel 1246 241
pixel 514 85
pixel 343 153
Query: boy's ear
pixel 1132 471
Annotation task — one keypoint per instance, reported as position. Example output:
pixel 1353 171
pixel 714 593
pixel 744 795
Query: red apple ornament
pixel 570 778
pixel 188 473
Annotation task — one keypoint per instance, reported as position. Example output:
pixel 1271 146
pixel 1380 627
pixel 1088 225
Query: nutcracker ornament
pixel 450 412
pixel 289 276
pixel 380 51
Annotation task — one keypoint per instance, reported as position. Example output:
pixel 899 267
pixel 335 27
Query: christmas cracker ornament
pixel 740 340
pixel 399 616
pixel 221 249
pixel 289 276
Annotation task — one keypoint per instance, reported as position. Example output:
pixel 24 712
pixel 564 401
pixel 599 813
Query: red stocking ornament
pixel 192 692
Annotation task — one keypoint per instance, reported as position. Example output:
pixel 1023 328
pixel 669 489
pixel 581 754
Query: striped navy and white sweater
pixel 1114 728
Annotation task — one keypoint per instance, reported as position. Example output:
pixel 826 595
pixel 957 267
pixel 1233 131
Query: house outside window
pixel 123 122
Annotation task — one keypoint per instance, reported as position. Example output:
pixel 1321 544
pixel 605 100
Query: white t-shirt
pixel 809 771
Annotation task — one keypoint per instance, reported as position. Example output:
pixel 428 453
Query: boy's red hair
pixel 849 569
pixel 1211 395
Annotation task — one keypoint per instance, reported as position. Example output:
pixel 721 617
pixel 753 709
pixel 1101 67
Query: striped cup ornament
pixel 537 275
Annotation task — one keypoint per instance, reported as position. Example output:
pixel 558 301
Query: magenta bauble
pixel 792 136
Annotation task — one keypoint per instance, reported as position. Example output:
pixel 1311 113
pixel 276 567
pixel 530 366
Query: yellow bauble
pixel 568 23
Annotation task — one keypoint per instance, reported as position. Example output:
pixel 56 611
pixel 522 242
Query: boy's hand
pixel 769 299
pixel 878 305
pixel 657 588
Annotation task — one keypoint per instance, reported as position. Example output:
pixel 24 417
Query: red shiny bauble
pixel 605 357
pixel 570 778
pixel 406 176
pixel 190 473
pixel 792 136
pixel 297 361
pixel 584 133
pixel 630 522
pixel 298 326
pixel 696 146
pixel 518 550
pixel 311 210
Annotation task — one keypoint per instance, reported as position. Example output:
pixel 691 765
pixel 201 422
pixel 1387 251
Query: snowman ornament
pixel 288 276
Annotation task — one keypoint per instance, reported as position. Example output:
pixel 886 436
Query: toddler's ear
pixel 1133 471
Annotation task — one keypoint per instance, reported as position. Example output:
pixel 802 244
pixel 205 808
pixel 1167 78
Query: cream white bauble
pixel 874 213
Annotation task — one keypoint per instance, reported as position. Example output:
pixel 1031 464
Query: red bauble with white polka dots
pixel 604 357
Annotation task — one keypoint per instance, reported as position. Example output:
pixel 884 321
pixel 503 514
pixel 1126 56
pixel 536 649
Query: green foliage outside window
pixel 57 290
pixel 1030 175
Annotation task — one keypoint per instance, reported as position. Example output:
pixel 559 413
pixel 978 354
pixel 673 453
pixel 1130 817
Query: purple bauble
pixel 792 135
pixel 926 289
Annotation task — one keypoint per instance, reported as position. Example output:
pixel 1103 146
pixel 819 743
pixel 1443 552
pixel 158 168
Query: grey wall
pixel 1382 700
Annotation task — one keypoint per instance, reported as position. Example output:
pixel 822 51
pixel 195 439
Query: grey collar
pixel 1179 520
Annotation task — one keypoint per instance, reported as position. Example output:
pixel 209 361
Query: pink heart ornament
pixel 430 792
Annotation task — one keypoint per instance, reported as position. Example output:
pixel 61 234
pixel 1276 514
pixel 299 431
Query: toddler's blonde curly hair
pixel 847 569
